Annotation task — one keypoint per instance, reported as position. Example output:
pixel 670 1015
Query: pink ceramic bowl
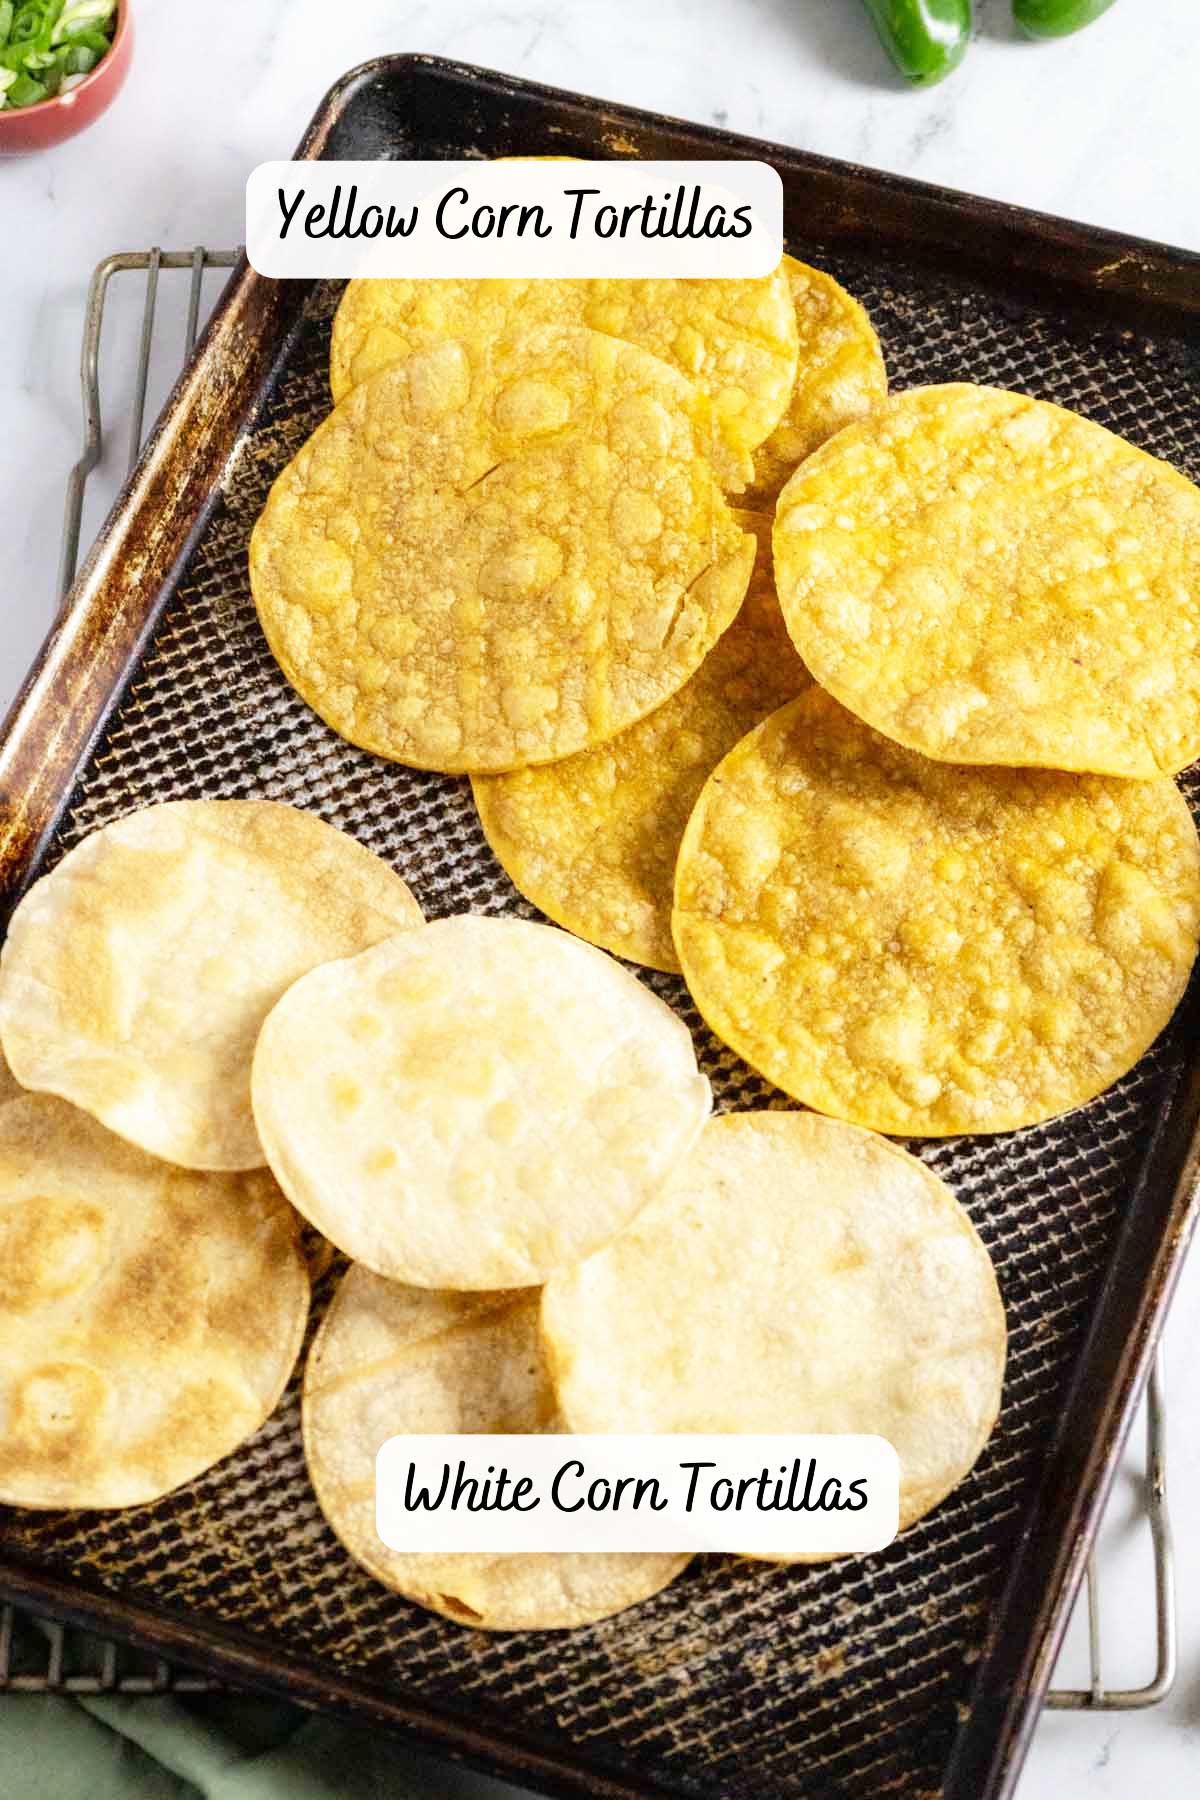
pixel 26 128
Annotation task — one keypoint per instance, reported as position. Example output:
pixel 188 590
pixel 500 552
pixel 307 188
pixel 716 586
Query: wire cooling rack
pixel 44 1656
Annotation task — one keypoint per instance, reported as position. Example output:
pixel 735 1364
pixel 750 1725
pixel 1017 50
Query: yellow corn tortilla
pixel 927 949
pixel 592 840
pixel 991 579
pixel 492 555
pixel 736 340
pixel 840 376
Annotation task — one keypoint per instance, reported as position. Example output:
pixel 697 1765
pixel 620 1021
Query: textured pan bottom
pixel 832 1681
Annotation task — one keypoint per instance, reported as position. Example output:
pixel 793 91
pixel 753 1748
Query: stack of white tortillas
pixel 468 1109
pixel 761 1272
pixel 154 1290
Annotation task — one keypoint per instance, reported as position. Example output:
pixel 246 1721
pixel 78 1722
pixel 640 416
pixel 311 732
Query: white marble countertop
pixel 1102 128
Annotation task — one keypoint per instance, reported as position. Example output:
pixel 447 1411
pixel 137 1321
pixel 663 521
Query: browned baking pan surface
pixel 854 1679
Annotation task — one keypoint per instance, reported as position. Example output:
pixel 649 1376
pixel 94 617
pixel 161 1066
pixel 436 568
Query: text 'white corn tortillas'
pixel 391 1360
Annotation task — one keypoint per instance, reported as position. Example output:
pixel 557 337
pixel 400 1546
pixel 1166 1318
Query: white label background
pixel 550 1527
pixel 427 253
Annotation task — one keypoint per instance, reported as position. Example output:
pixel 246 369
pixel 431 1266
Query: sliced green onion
pixel 30 23
pixel 25 91
pixel 47 43
pixel 82 15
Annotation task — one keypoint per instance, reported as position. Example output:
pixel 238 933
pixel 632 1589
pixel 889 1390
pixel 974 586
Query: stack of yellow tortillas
pixel 927 947
pixel 507 551
pixel 983 578
pixel 510 541
pixel 593 840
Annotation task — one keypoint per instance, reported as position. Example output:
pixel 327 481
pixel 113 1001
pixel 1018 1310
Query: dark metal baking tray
pixel 918 1671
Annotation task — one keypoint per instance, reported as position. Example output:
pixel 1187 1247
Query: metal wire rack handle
pixel 164 1679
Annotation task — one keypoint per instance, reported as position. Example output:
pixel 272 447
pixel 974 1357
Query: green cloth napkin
pixel 210 1747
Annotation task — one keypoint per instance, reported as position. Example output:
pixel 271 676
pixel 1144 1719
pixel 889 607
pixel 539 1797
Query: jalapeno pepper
pixel 1057 18
pixel 924 38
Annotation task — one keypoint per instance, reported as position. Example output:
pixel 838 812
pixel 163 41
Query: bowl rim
pixel 68 100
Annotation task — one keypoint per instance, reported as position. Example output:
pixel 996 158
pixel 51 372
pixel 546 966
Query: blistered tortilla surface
pixel 494 553
pixel 150 1316
pixel 592 840
pixel 473 1104
pixel 840 376
pixel 928 949
pixel 992 579
pixel 736 340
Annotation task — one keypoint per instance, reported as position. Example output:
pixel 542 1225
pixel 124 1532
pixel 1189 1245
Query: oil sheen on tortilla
pixel 928 949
